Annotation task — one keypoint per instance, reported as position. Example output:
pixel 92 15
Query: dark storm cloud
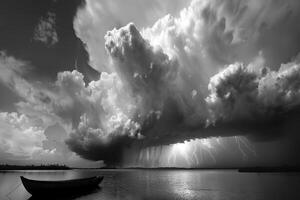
pixel 91 147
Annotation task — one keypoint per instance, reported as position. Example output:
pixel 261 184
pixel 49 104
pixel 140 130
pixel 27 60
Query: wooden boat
pixel 61 187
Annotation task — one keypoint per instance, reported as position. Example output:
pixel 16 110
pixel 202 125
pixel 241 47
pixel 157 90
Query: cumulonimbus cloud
pixel 172 69
pixel 208 72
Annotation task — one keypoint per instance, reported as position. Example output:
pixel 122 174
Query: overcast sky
pixel 150 83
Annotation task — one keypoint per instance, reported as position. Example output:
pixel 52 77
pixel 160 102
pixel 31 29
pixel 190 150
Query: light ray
pixel 237 139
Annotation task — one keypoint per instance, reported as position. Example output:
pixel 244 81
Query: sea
pixel 164 184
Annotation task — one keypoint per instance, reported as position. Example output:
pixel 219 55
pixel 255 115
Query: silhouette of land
pixel 270 169
pixel 257 169
pixel 34 167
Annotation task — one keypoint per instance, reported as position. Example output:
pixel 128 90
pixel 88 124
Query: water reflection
pixel 68 197
pixel 183 186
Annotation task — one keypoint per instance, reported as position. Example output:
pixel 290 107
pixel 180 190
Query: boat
pixel 61 187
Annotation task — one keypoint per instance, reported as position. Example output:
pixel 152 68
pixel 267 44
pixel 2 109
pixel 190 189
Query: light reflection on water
pixel 166 184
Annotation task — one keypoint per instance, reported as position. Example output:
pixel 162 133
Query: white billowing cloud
pixel 281 88
pixel 19 135
pixel 147 71
pixel 233 91
pixel 101 104
pixel 210 34
pixel 97 17
pixel 45 31
pixel 240 92
pixel 102 113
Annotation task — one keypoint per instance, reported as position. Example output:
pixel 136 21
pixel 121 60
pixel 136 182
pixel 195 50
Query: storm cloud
pixel 212 70
pixel 208 72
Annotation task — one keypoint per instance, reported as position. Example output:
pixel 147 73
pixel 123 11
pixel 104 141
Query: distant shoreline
pixel 6 167
pixel 284 169
pixel 257 169
pixel 281 169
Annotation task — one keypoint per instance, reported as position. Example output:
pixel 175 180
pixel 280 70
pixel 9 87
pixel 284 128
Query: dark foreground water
pixel 166 184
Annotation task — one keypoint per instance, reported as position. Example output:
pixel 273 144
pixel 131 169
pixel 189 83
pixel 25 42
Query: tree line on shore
pixel 34 167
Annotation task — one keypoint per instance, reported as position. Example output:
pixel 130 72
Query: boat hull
pixel 65 187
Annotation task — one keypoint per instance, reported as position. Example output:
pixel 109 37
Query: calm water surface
pixel 166 184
